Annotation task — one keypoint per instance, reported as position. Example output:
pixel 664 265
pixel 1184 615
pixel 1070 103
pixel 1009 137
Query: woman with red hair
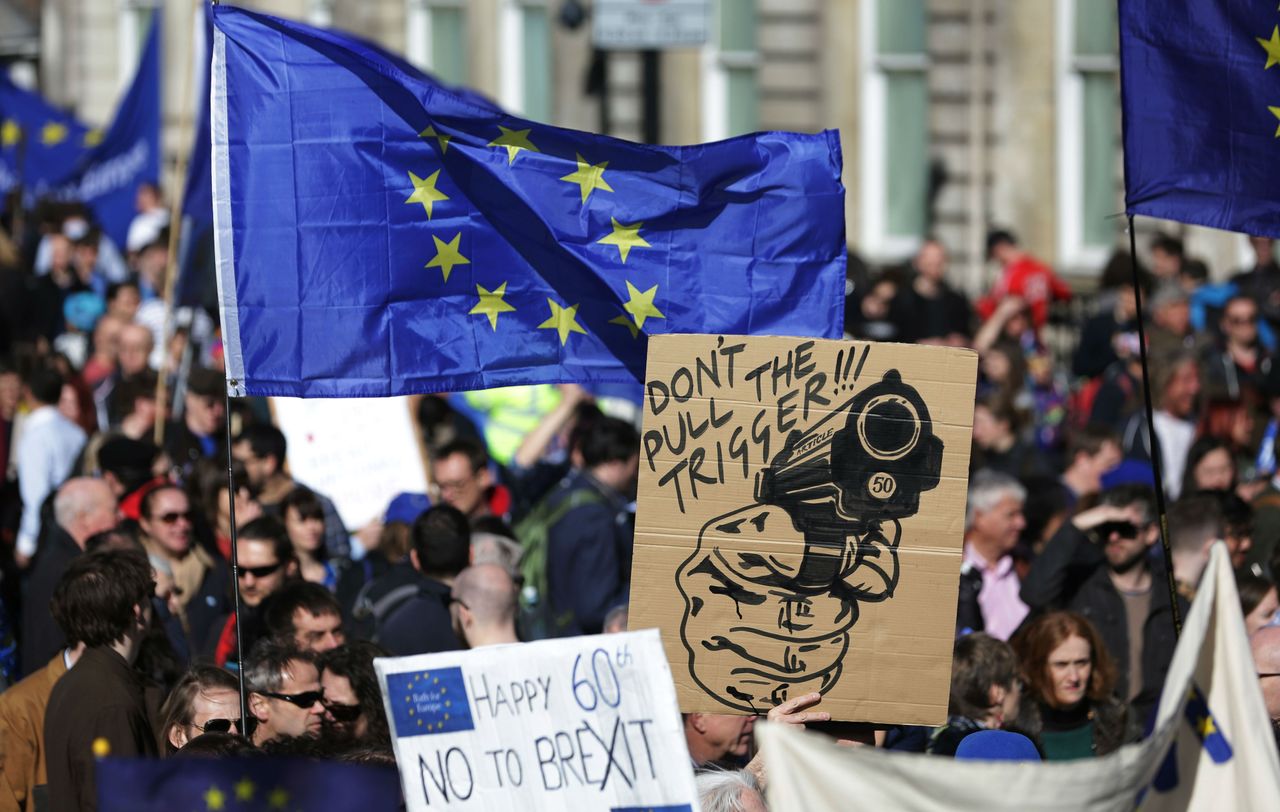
pixel 1069 705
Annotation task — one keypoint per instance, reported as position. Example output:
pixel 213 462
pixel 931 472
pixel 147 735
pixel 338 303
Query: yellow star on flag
pixel 93 138
pixel 1275 111
pixel 278 798
pixel 625 237
pixel 425 191
pixel 10 132
pixel 430 132
pixel 628 322
pixel 588 176
pixel 447 255
pixel 641 304
pixel 1207 727
pixel 491 304
pixel 514 141
pixel 244 790
pixel 214 798
pixel 1272 47
pixel 563 320
pixel 53 134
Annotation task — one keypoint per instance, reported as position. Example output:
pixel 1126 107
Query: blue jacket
pixel 589 554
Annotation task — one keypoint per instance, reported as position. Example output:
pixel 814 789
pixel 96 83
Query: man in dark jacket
pixel 82 508
pixel 98 707
pixel 421 623
pixel 589 548
pixel 1099 565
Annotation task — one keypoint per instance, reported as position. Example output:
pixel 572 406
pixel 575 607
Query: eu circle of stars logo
pixel 428 702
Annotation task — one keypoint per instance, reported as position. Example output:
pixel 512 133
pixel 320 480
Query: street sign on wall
pixel 643 24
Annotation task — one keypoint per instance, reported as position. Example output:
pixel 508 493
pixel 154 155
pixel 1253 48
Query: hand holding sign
pixel 822 536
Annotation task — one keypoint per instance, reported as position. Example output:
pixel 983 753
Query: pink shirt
pixel 1002 609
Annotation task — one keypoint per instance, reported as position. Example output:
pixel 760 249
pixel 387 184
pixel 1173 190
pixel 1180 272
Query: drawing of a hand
pixel 790 635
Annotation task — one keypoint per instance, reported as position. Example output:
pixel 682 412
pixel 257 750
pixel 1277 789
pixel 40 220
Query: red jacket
pixel 1033 281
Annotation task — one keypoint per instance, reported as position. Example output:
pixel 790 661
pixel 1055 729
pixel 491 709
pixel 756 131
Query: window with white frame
pixel 1088 131
pixel 527 77
pixel 436 38
pixel 895 129
pixel 134 23
pixel 731 62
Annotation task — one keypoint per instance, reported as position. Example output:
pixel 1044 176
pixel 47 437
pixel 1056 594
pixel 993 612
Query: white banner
pixel 583 723
pixel 359 452
pixel 1212 748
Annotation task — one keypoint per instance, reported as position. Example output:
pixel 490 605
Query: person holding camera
pixel 1099 565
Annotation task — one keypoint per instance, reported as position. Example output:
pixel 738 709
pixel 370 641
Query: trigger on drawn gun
pixel 766 491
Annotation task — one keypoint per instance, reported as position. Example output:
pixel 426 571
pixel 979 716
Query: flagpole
pixel 1156 467
pixel 175 228
pixel 235 572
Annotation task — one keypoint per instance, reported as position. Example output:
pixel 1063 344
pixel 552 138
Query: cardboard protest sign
pixel 576 723
pixel 360 452
pixel 800 521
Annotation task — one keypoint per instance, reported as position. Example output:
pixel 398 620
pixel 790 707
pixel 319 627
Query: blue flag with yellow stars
pixel 51 154
pixel 378 234
pixel 244 784
pixel 427 702
pixel 1200 83
pixel 40 145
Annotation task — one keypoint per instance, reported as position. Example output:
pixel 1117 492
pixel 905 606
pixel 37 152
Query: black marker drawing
pixel 836 492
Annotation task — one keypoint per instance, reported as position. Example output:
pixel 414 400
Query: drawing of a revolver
pixel 822 536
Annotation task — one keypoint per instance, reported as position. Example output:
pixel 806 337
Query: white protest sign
pixel 359 452
pixel 585 723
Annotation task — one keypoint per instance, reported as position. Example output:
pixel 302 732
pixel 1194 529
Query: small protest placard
pixel 360 452
pixel 578 723
pixel 800 518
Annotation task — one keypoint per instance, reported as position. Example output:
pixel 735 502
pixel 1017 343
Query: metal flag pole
pixel 235 556
pixel 235 570
pixel 1156 467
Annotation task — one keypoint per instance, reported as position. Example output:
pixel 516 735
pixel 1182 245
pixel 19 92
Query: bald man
pixel 483 605
pixel 1265 644
pixel 82 508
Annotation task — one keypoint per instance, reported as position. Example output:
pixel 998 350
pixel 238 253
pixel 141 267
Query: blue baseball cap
pixel 997 745
pixel 407 507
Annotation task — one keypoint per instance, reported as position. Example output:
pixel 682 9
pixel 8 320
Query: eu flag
pixel 128 154
pixel 40 145
pixel 379 234
pixel 1201 96
pixel 244 784
pixel 426 702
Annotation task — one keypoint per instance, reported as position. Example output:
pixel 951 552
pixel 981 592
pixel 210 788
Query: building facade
pixel 954 115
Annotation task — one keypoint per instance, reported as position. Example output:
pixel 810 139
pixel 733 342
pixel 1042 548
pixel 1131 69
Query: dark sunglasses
pixel 1126 530
pixel 259 572
pixel 343 713
pixel 218 726
pixel 303 700
pixel 172 518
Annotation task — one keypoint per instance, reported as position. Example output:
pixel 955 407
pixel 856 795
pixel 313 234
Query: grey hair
pixel 986 489
pixel 266 665
pixel 722 790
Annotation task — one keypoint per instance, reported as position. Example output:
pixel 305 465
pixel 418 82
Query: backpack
pixel 534 533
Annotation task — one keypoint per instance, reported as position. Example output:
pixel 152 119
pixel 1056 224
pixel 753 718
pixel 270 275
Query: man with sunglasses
pixel 205 700
pixel 266 563
pixel 1099 565
pixel 285 697
pixel 202 583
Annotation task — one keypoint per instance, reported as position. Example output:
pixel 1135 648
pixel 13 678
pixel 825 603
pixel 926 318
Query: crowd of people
pixel 118 628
